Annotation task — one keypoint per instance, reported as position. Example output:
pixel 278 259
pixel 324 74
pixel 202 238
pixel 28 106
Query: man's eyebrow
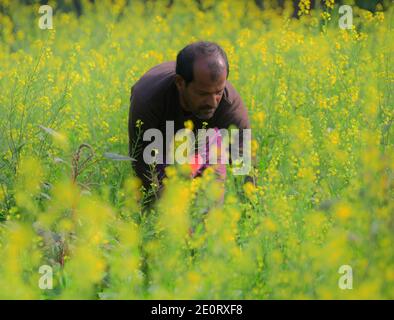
pixel 206 92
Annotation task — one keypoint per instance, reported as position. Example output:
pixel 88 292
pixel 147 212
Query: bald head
pixel 209 71
pixel 205 55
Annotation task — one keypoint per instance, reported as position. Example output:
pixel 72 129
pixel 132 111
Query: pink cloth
pixel 199 166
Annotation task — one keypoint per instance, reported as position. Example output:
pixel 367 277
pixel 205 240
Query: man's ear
pixel 179 82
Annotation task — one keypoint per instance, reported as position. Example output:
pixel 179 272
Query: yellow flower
pixel 139 123
pixel 254 147
pixel 250 191
pixel 189 125
pixel 193 277
pixel 260 117
pixel 326 16
pixel 330 3
pixel 334 137
pixel 343 211
pixel 170 171
pixel 270 225
pixel 304 6
pixel 2 192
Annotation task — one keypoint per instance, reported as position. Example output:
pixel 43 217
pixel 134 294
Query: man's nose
pixel 213 101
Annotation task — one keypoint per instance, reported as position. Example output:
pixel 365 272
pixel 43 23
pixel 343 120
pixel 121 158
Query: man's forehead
pixel 209 74
pixel 206 79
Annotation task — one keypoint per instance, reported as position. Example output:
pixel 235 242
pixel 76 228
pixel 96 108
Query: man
pixel 194 88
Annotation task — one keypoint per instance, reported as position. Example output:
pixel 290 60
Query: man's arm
pixel 142 116
pixel 236 114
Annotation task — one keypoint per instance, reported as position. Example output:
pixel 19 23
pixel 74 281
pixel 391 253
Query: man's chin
pixel 204 116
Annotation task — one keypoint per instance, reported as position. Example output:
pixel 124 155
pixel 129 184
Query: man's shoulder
pixel 163 68
pixel 231 95
pixel 155 83
pixel 232 111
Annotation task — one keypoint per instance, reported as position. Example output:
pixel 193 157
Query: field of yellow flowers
pixel 320 101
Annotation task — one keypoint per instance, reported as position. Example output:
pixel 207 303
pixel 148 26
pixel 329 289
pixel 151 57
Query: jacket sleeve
pixel 234 113
pixel 142 116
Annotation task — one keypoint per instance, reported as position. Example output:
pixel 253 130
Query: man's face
pixel 202 96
